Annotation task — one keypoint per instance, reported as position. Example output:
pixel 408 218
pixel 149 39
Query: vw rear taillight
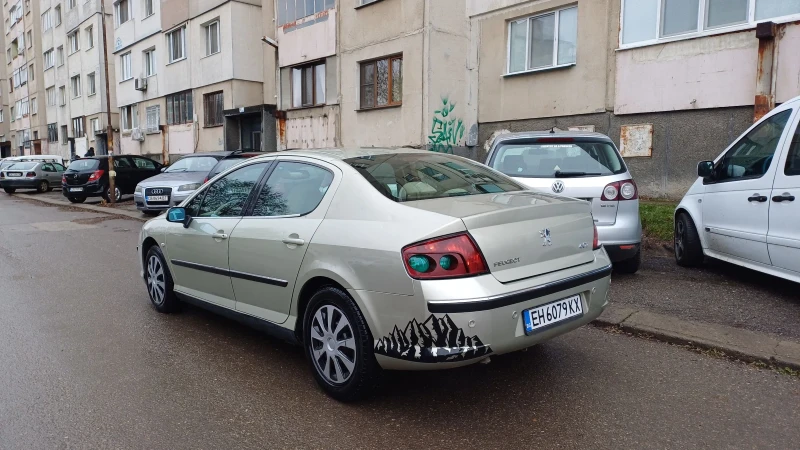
pixel 596 241
pixel 452 256
pixel 30 175
pixel 96 175
pixel 620 191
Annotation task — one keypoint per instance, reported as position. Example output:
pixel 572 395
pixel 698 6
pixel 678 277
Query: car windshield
pixel 22 166
pixel 405 177
pixel 193 164
pixel 557 160
pixel 84 164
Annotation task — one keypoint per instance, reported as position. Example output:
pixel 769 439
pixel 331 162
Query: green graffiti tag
pixel 446 130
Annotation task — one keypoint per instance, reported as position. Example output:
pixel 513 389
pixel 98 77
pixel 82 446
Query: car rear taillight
pixel 31 175
pixel 96 175
pixel 620 191
pixel 452 256
pixel 596 242
pixel 64 179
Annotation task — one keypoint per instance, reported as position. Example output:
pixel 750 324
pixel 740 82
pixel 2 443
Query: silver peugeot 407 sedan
pixel 370 258
pixel 580 165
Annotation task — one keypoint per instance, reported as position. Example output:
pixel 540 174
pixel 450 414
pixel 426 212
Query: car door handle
pixel 758 198
pixel 786 197
pixel 219 236
pixel 293 241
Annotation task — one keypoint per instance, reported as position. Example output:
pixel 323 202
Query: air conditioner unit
pixel 140 84
pixel 137 135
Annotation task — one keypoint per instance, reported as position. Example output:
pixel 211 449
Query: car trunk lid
pixel 589 189
pixel 523 234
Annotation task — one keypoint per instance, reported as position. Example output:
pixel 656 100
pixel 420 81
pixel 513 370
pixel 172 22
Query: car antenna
pixel 553 130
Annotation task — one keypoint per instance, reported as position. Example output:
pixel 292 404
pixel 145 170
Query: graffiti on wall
pixel 446 129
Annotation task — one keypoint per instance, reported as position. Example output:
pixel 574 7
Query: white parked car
pixel 743 208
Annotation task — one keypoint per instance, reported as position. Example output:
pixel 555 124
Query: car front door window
pixel 227 197
pixel 752 156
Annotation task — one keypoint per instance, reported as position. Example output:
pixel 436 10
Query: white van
pixel 743 208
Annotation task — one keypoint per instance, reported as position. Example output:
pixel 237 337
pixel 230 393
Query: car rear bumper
pixel 20 183
pixel 443 326
pixel 626 231
pixel 89 190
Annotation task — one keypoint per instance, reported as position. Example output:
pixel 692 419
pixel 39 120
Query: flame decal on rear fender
pixel 435 340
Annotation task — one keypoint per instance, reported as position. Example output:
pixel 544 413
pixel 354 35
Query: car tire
pixel 43 187
pixel 688 250
pixel 76 199
pixel 158 280
pixel 630 265
pixel 10 190
pixel 107 194
pixel 330 365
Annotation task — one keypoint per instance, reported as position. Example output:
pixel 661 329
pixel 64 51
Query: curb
pixel 746 345
pixel 108 211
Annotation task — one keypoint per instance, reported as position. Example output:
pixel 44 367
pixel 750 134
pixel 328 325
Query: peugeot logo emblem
pixel 558 187
pixel 545 235
pixel 157 191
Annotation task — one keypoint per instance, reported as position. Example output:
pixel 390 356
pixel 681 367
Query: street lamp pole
pixel 112 174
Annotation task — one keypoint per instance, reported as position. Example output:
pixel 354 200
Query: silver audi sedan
pixel 370 258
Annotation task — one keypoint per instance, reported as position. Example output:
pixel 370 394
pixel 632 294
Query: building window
pixel 34 106
pixel 75 83
pixel 89 37
pixel 74 42
pixel 650 21
pixel 60 55
pixel 24 108
pixel 35 134
pixel 212 37
pixel 51 96
pixel 62 96
pixel 213 107
pixel 127 71
pixel 176 41
pixel 543 41
pixel 153 118
pixel 2 118
pixel 149 62
pixel 52 132
pixel 13 118
pixel 129 117
pixel 149 8
pixel 122 11
pixel 46 20
pixel 94 127
pixel 381 82
pixel 49 60
pixel 63 134
pixel 30 39
pixel 308 85
pixel 291 10
pixel 77 127
pixel 90 88
pixel 180 108
pixel 72 3
pixel 31 72
pixel 57 11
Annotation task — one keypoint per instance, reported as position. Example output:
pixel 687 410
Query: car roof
pixel 212 154
pixel 339 154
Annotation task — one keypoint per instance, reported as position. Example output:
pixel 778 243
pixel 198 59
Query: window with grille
pixel 153 118
pixel 176 42
pixel 308 85
pixel 382 82
pixel 180 108
pixel 77 127
pixel 213 107
pixel 52 132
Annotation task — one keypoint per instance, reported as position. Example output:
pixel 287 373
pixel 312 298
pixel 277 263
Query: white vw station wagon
pixel 743 208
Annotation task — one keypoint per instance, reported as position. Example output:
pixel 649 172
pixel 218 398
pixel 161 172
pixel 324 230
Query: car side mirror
pixel 164 169
pixel 179 215
pixel 705 169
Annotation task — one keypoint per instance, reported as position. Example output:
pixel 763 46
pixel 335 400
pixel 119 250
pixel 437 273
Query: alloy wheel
pixel 680 231
pixel 156 282
pixel 333 347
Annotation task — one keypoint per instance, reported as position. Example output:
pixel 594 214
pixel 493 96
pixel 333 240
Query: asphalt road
pixel 85 362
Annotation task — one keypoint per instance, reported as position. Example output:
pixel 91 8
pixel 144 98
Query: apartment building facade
pixel 6 149
pixel 189 77
pixel 672 83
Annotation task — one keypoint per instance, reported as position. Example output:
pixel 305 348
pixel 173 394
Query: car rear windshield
pixel 22 166
pixel 558 160
pixel 193 164
pixel 84 164
pixel 4 164
pixel 405 177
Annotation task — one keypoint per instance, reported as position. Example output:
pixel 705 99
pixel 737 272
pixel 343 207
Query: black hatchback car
pixel 88 177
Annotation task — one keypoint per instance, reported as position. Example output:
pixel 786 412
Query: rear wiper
pixel 560 174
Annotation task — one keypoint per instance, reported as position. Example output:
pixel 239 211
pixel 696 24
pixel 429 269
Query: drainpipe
pixel 765 97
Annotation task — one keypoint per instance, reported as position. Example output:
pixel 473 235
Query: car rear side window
pixel 557 159
pixel 293 188
pixel 228 195
pixel 405 177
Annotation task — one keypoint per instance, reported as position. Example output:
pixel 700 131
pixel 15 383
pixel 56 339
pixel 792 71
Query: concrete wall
pixel 544 92
pixel 303 43
pixel 248 62
pixel 175 12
